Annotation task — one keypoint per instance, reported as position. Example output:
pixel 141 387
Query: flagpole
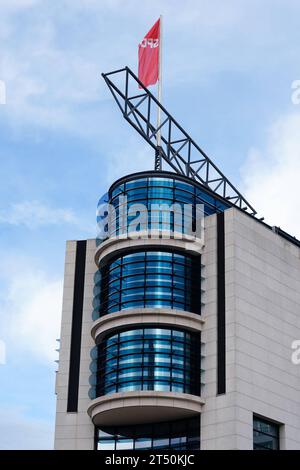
pixel 158 160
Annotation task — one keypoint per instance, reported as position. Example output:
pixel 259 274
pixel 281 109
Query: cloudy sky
pixel 228 73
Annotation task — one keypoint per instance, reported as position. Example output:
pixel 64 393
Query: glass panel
pixel 161 443
pixel 178 388
pixel 129 387
pixel 102 433
pixel 149 279
pixel 149 359
pixel 265 434
pixel 158 190
pixel 178 441
pixel 265 427
pixel 162 386
pixel 124 444
pixel 143 443
pixel 106 445
pixel 124 334
pixel 178 435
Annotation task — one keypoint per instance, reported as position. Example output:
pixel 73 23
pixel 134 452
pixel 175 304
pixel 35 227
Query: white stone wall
pixel 219 412
pixel 75 430
pixel 262 279
pixel 262 275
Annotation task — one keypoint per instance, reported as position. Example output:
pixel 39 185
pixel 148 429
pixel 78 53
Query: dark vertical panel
pixel 76 326
pixel 221 332
pixel 196 285
pixel 96 438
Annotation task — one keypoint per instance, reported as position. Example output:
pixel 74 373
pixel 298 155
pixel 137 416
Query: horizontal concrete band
pixel 116 245
pixel 143 407
pixel 135 316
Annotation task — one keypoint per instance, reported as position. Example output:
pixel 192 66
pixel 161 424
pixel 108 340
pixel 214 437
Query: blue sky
pixel 228 70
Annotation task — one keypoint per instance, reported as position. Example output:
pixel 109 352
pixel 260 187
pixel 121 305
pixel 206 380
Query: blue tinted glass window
pixel 265 434
pixel 159 190
pixel 150 279
pixel 176 435
pixel 149 359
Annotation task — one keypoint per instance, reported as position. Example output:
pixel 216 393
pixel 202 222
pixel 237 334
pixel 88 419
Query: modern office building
pixel 180 343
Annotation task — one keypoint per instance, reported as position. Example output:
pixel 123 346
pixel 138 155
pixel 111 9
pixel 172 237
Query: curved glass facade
pixel 150 279
pixel 163 188
pixel 175 435
pixel 151 358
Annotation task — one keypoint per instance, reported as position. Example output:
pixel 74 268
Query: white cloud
pixel 45 81
pixel 34 214
pixel 21 432
pixel 127 161
pixel 30 306
pixel 52 65
pixel 271 175
pixel 15 5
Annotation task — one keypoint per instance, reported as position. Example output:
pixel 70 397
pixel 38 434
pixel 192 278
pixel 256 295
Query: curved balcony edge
pixel 160 316
pixel 138 407
pixel 115 245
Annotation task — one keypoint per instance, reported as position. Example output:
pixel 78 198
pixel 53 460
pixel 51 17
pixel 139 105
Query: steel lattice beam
pixel 177 148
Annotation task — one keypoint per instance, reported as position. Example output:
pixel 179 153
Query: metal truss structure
pixel 177 148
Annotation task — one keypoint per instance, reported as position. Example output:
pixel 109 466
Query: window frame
pixel 275 437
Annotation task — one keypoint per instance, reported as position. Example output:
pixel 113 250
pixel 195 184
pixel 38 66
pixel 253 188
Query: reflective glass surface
pixel 149 359
pixel 150 279
pixel 149 190
pixel 175 435
pixel 265 434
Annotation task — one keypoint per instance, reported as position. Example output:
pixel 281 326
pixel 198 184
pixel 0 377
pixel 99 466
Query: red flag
pixel 149 56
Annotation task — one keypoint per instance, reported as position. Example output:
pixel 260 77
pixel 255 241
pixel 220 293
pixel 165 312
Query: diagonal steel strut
pixel 177 148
